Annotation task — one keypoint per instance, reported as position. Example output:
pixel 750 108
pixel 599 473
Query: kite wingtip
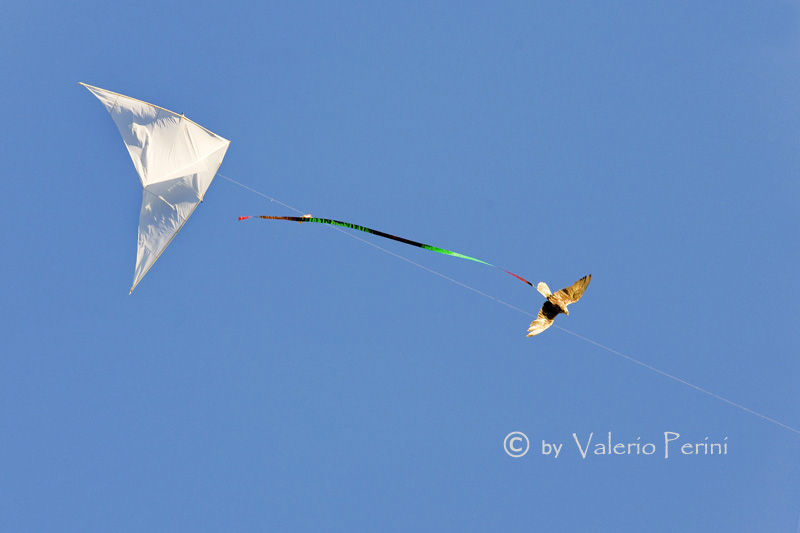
pixel 243 218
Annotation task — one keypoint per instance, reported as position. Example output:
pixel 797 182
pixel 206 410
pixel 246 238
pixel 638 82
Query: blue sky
pixel 278 377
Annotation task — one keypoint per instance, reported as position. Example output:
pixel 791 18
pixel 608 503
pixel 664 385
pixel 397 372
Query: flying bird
pixel 556 303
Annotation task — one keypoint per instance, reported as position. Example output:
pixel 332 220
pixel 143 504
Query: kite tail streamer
pixel 309 218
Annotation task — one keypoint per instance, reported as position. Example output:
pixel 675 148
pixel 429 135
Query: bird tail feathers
pixel 543 289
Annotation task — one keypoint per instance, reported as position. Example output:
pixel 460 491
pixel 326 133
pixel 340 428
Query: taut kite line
pixel 309 218
pixel 177 159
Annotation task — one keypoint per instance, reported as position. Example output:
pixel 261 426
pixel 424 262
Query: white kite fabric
pixel 176 160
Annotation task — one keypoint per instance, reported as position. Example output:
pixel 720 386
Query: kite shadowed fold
pixel 176 160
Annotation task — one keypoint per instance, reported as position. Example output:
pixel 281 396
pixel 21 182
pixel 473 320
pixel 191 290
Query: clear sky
pixel 270 376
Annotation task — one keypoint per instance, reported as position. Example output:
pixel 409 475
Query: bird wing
pixel 570 295
pixel 544 320
pixel 539 325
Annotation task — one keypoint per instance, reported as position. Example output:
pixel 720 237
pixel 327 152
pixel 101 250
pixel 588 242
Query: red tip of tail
pixel 518 277
pixel 243 218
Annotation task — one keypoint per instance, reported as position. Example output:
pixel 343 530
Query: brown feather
pixel 557 303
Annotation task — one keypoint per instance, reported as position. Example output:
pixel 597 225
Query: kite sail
pixel 176 160
pixel 309 218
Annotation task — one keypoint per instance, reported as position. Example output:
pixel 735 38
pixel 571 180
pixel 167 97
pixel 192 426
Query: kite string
pixel 615 352
pixel 407 260
pixel 679 380
pixel 270 198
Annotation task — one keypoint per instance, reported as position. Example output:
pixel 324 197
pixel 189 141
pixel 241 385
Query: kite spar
pixel 309 218
pixel 176 159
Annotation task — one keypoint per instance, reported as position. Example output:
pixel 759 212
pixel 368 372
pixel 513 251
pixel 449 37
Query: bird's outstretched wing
pixel 570 295
pixel 544 320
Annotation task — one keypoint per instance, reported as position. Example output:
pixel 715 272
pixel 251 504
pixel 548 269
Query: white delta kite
pixel 176 160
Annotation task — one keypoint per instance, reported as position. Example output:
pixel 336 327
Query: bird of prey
pixel 556 303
